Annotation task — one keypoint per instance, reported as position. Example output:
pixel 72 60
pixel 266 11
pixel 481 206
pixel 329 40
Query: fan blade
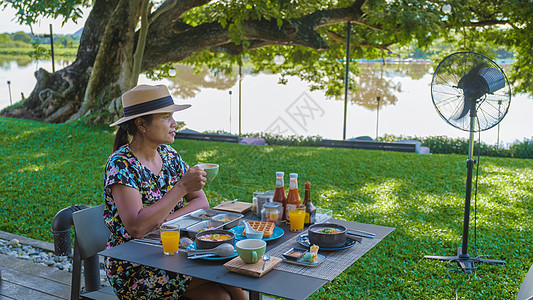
pixel 468 105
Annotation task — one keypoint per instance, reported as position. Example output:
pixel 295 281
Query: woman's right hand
pixel 193 180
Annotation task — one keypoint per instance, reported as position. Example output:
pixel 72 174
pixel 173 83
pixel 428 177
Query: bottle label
pixel 279 182
pixel 306 218
pixel 292 185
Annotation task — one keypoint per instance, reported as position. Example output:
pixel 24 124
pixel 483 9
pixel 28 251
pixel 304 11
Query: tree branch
pixel 341 39
pixel 164 45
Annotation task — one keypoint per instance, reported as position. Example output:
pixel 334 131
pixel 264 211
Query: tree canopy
pixel 123 38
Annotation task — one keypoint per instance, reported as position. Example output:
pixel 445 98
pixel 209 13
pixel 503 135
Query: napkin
pixel 237 207
pixel 256 270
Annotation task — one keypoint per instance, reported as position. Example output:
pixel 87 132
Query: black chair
pixel 91 238
pixel 526 289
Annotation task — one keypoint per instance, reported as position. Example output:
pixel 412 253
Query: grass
pixel 58 50
pixel 47 167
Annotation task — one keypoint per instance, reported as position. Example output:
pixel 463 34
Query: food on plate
pixel 205 216
pixel 206 228
pixel 216 237
pixel 312 255
pixel 294 253
pixel 224 220
pixel 266 227
pixel 327 230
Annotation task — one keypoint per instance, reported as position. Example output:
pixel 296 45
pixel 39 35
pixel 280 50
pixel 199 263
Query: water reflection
pixel 375 80
pixel 22 61
pixel 405 108
pixel 188 84
pixel 7 62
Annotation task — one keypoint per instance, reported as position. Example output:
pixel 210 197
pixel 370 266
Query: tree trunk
pixel 111 74
pixel 56 96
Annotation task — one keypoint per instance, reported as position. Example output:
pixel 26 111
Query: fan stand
pixel 462 258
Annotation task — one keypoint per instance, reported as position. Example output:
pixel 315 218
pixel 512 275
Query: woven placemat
pixel 333 265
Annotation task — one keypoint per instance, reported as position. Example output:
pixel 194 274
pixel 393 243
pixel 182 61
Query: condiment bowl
pixel 203 243
pixel 318 235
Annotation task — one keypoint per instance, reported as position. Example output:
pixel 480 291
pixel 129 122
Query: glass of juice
pixel 297 218
pixel 170 238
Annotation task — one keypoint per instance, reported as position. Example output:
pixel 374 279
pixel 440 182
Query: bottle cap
pixel 279 174
pixel 307 185
pixel 293 175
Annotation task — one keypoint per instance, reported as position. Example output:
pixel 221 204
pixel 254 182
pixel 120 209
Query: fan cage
pixel 469 82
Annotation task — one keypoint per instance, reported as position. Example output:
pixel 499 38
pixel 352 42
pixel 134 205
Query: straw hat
pixel 146 100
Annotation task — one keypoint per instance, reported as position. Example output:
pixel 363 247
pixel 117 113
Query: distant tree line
pixel 22 39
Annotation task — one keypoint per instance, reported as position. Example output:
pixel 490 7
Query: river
pixel 405 106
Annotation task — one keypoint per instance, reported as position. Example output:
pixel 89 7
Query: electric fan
pixel 471 93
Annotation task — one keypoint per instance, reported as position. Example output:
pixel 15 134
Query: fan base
pixel 466 262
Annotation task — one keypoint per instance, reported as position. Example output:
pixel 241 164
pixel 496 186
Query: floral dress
pixel 130 280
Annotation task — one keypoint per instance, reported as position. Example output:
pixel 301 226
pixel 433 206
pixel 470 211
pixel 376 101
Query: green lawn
pixel 47 167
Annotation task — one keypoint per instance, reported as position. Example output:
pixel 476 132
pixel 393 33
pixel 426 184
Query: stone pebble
pixel 14 248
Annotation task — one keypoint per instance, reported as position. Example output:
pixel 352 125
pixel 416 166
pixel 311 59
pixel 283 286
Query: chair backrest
pixel 91 231
pixel 526 289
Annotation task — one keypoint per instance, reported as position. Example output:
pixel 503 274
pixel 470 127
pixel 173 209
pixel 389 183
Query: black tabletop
pixel 276 282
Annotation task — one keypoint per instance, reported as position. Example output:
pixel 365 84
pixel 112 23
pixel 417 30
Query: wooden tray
pixel 237 207
pixel 256 270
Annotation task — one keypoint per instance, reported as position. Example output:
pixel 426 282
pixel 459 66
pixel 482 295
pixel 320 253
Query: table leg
pixel 255 295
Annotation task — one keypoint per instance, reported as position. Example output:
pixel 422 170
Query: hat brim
pixel 168 109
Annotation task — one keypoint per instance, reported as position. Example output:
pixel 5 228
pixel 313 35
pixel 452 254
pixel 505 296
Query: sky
pixel 9 24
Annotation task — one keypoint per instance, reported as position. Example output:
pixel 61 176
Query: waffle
pixel 266 227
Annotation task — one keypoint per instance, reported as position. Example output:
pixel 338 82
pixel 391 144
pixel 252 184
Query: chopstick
pixel 368 235
pixel 361 232
pixel 227 202
pixel 146 241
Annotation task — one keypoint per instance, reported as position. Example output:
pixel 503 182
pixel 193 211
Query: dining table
pixel 285 280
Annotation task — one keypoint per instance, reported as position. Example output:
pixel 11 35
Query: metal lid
pixel 271 205
pixel 280 173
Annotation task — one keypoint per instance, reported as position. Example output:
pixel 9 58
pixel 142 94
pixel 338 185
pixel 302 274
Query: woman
pixel 147 183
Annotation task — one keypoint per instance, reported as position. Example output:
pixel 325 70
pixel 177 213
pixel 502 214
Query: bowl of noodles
pixel 213 237
pixel 327 235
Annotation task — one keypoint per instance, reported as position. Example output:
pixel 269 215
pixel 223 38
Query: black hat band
pixel 148 106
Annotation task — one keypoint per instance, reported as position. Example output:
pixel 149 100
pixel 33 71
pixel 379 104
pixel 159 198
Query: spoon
pixel 220 250
pixel 266 258
pixel 249 229
pixel 185 242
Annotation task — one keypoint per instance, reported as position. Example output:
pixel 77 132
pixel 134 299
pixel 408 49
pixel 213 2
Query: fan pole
pixel 462 258
pixel 468 191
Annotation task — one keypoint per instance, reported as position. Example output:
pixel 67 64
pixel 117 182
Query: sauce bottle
pixel 279 194
pixel 293 198
pixel 310 209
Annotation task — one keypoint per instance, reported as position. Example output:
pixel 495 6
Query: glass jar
pixel 255 208
pixel 262 198
pixel 271 212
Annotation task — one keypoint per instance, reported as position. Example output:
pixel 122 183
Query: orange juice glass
pixel 170 238
pixel 297 218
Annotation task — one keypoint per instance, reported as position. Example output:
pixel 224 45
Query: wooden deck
pixel 27 280
pixel 21 279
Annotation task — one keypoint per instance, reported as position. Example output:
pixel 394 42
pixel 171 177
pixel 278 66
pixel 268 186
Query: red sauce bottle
pixel 279 194
pixel 293 198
